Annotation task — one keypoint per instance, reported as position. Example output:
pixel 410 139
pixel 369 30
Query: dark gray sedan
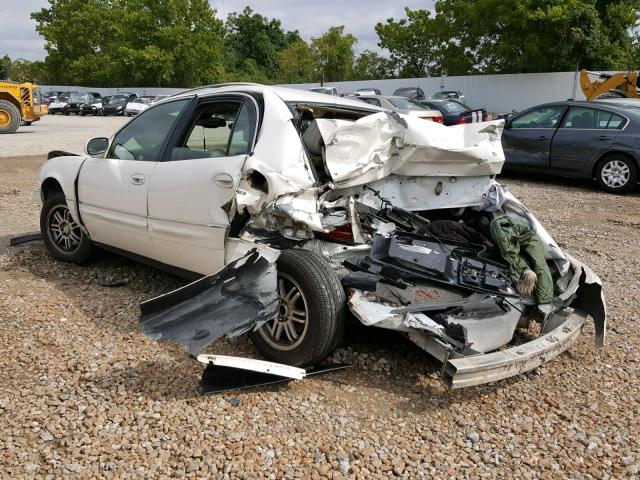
pixel 577 139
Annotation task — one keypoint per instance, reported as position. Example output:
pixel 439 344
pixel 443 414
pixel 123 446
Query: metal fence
pixel 496 93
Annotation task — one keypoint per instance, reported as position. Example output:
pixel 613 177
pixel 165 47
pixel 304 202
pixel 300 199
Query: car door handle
pixel 137 179
pixel 604 137
pixel 543 137
pixel 223 180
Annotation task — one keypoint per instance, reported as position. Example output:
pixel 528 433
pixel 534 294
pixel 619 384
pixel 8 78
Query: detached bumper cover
pixel 490 367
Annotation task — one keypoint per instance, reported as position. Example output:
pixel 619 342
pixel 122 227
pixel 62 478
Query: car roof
pixel 287 94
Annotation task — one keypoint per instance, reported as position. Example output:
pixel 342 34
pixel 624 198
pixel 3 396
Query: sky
pixel 311 18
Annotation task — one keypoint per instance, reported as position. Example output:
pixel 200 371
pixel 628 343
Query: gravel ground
pixel 84 395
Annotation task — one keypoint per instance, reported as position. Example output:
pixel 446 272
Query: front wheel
pixel 617 174
pixel 62 236
pixel 312 311
pixel 9 117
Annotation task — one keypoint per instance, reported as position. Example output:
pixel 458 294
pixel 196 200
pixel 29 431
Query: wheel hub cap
pixel 289 328
pixel 63 231
pixel 615 174
pixel 5 118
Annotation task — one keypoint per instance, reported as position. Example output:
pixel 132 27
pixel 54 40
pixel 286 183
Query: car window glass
pixel 542 117
pixel 616 122
pixel 591 119
pixel 454 107
pixel 372 101
pixel 143 137
pixel 210 132
pixel 406 104
pixel 243 129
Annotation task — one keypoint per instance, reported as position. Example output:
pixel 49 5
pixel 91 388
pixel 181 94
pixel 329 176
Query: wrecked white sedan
pixel 296 209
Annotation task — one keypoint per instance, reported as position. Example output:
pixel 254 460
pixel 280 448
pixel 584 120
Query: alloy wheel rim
pixel 615 174
pixel 63 231
pixel 289 328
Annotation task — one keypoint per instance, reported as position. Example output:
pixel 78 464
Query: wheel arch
pixel 11 99
pixel 50 186
pixel 610 153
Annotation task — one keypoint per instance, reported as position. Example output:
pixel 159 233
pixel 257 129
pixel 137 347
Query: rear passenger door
pixel 190 190
pixel 584 134
pixel 526 140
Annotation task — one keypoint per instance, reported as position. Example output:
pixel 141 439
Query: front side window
pixel 543 117
pixel 592 119
pixel 219 129
pixel 142 138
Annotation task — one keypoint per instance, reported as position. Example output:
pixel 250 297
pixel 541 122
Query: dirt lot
pixel 57 132
pixel 84 395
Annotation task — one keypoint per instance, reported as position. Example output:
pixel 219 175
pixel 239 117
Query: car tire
pixel 9 117
pixel 62 236
pixel 617 174
pixel 312 306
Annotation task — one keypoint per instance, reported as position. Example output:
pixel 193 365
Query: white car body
pixel 180 212
pixel 136 106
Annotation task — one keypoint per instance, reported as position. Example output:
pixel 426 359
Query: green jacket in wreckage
pixel 522 250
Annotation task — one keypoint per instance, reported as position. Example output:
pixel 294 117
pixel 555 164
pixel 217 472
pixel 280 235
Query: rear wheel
pixel 62 236
pixel 9 117
pixel 617 174
pixel 312 310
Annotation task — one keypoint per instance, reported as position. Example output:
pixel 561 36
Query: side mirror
pixel 97 146
pixel 507 123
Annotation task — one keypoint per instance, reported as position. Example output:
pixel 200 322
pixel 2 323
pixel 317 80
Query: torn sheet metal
pixel 29 237
pixel 254 365
pixel 379 145
pixel 223 378
pixel 421 193
pixel 230 302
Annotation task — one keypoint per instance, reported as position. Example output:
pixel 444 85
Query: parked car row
pixel 92 103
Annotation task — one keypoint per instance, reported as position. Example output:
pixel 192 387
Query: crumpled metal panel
pixel 381 144
pixel 239 297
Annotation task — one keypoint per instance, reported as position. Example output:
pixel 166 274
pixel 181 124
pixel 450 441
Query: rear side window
pixel 592 119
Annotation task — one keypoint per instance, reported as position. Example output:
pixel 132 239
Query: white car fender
pixel 65 171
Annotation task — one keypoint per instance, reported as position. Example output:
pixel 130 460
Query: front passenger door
pixel 190 191
pixel 112 191
pixel 527 139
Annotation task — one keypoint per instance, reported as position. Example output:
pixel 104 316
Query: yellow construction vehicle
pixel 19 103
pixel 620 85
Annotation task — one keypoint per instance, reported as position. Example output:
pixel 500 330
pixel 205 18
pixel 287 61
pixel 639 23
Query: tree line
pixel 183 43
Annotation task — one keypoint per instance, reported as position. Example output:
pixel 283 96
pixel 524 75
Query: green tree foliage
pixel 28 71
pixel 519 36
pixel 5 61
pixel 371 66
pixel 253 43
pixel 412 42
pixel 297 63
pixel 132 42
pixel 333 53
